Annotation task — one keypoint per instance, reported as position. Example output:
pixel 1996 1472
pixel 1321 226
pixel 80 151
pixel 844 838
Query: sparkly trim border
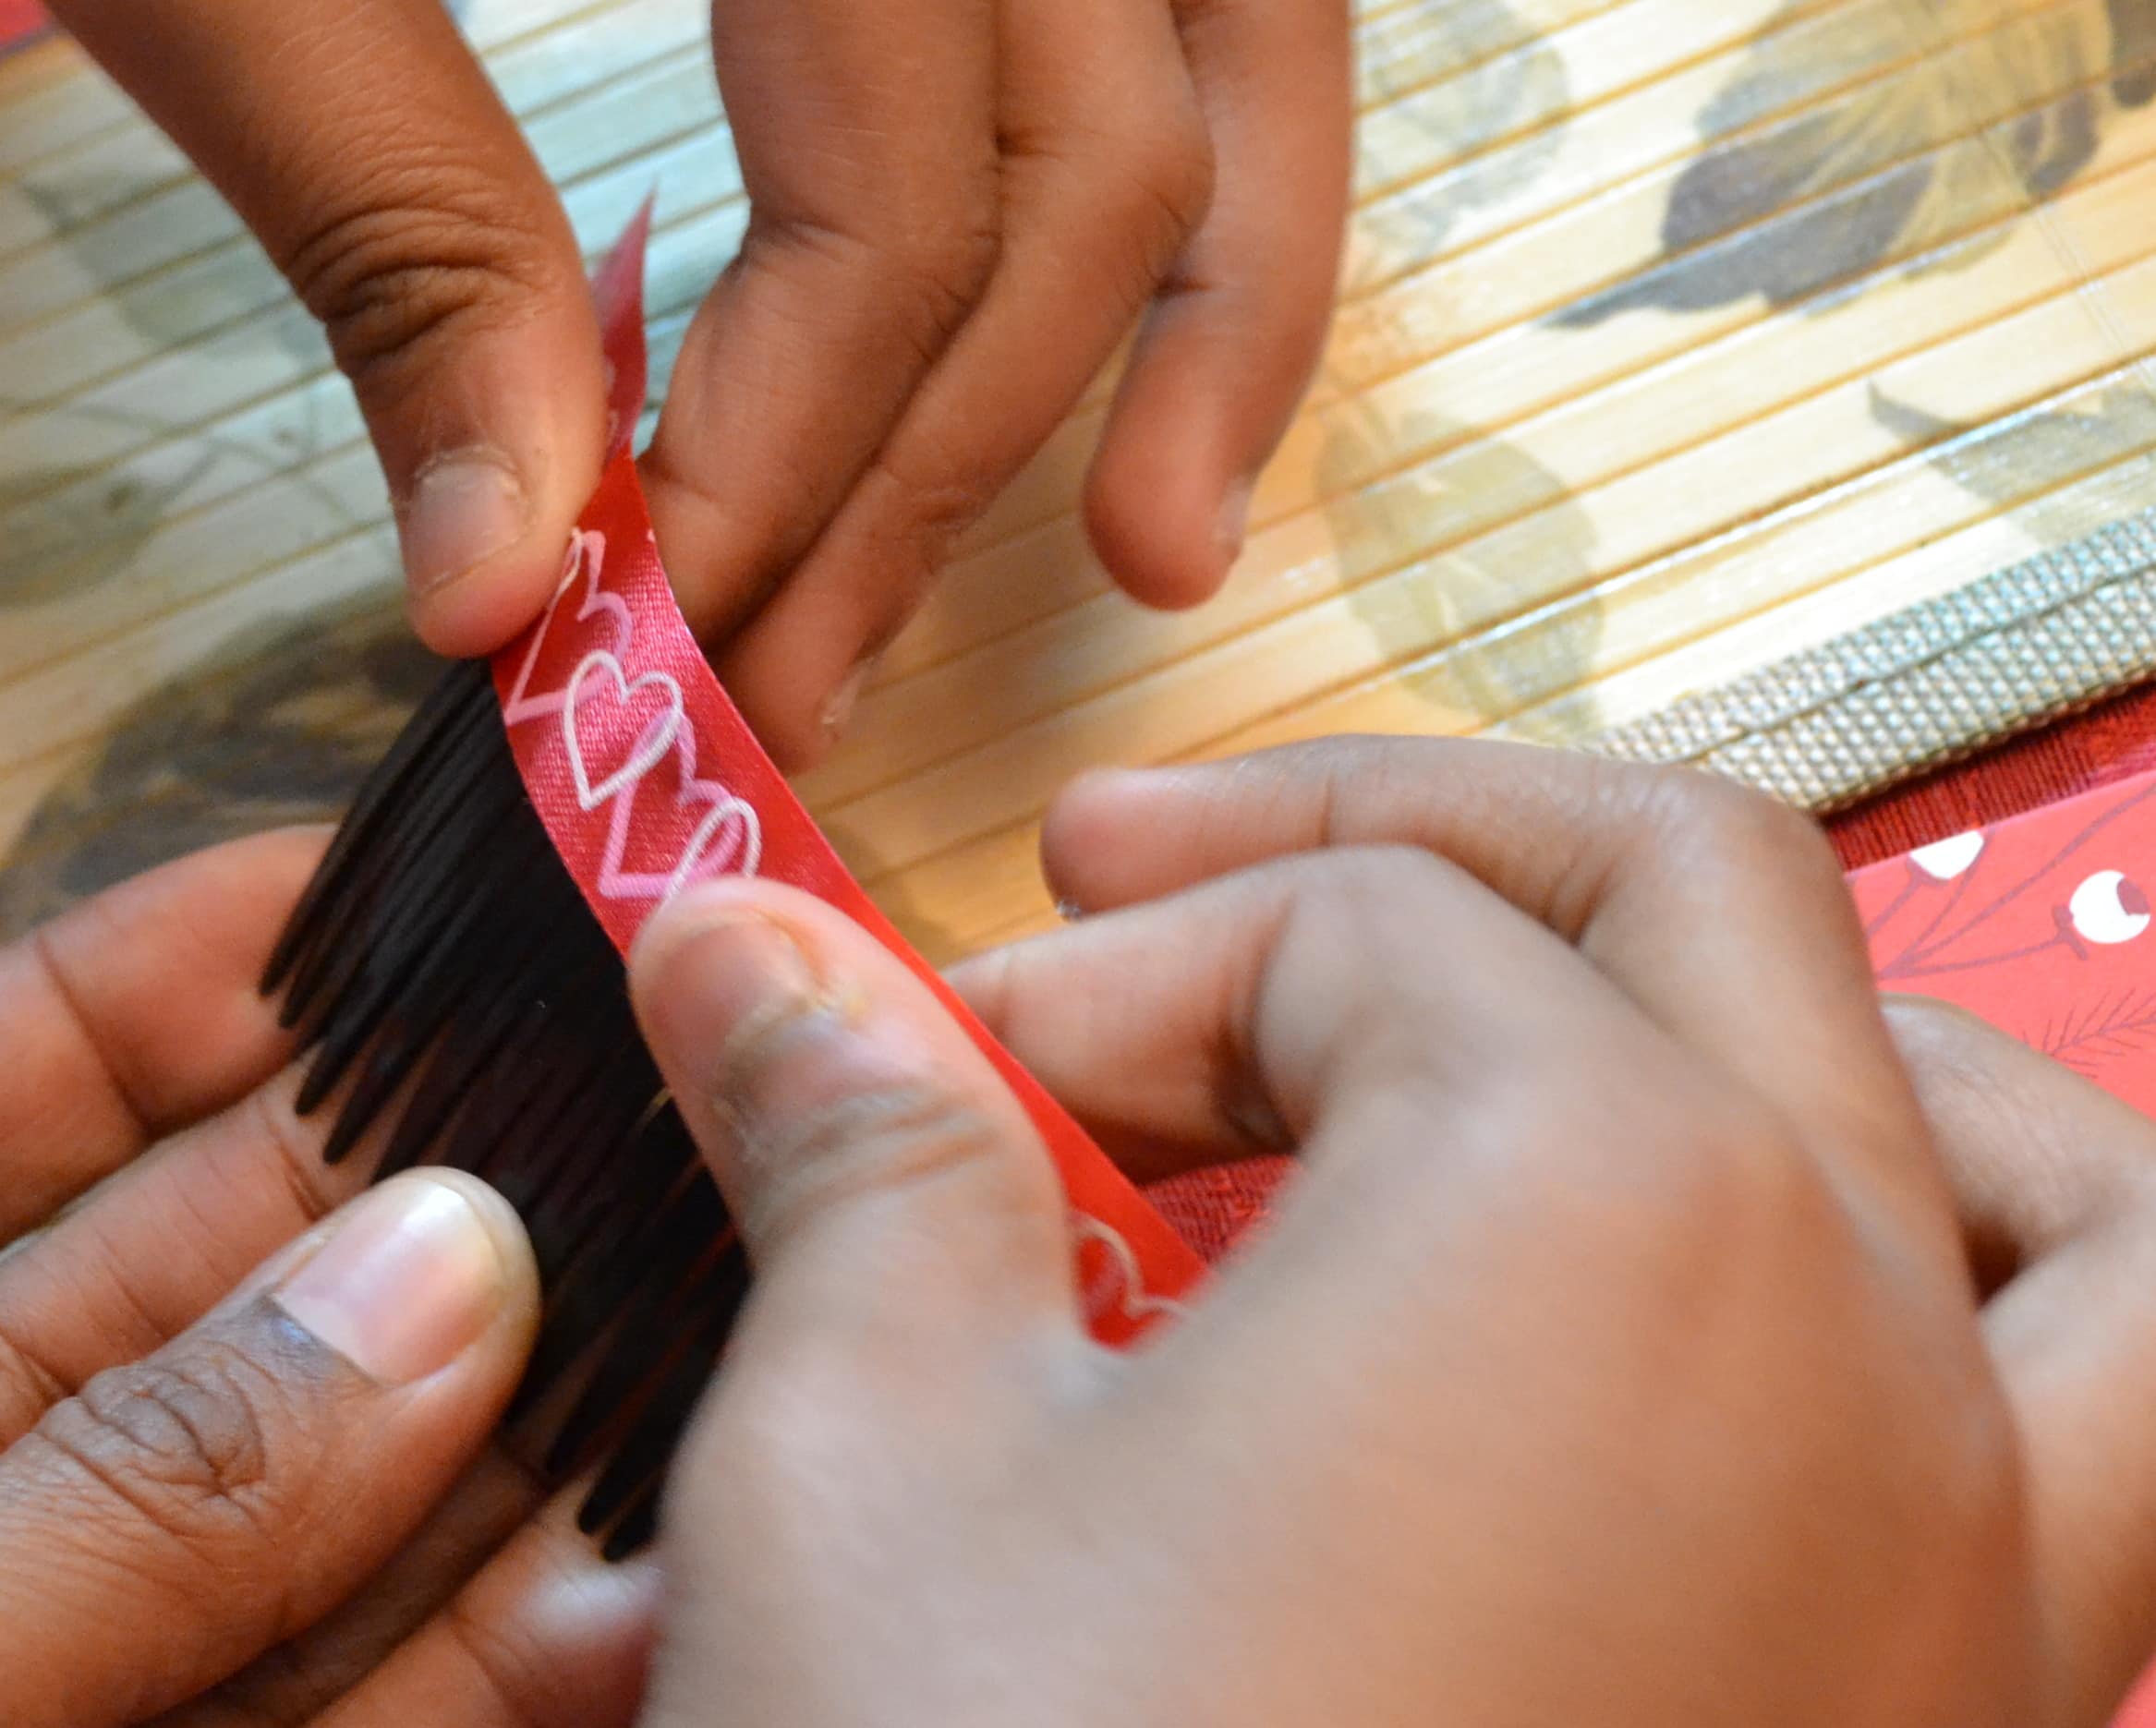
pixel 1927 685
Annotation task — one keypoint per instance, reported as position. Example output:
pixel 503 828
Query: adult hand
pixel 957 214
pixel 1619 1349
pixel 244 1473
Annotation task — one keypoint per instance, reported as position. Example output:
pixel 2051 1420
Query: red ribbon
pixel 649 780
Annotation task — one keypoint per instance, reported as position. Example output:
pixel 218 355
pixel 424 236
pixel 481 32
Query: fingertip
pixel 797 677
pixel 1167 521
pixel 491 458
pixel 1084 823
pixel 481 609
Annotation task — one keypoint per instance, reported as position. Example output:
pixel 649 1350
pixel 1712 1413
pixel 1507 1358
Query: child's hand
pixel 1619 1354
pixel 958 211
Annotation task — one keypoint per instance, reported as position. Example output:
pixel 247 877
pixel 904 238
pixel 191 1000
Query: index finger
pixel 1723 915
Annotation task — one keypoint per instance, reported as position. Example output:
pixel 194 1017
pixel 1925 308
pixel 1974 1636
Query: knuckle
pixel 882 1143
pixel 419 250
pixel 929 258
pixel 183 1441
pixel 1161 170
pixel 513 1671
pixel 1710 821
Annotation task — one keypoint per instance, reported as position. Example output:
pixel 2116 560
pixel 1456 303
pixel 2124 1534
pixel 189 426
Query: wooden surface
pixel 1678 336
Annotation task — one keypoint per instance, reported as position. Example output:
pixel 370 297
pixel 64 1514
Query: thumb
pixel 366 149
pixel 890 1190
pixel 181 1515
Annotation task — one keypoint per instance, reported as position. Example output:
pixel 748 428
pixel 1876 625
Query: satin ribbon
pixel 649 781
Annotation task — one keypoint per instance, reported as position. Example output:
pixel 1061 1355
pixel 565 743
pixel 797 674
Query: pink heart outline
pixel 586 550
pixel 652 745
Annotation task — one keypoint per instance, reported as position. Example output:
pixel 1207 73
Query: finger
pixel 294 1681
pixel 1230 345
pixel 1137 1024
pixel 867 148
pixel 1105 170
pixel 890 1190
pixel 372 159
pixel 1683 887
pixel 1151 1024
pixel 159 1244
pixel 2056 1183
pixel 188 1511
pixel 135 1013
pixel 547 1635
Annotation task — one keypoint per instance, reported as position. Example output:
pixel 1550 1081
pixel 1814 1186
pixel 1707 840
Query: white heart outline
pixel 652 748
pixel 1136 1304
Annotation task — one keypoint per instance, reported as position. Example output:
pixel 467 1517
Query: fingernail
pixel 462 510
pixel 1234 520
pixel 839 710
pixel 738 976
pixel 407 1281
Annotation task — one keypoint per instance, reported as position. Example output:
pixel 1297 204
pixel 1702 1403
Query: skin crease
pixel 1747 1355
pixel 958 215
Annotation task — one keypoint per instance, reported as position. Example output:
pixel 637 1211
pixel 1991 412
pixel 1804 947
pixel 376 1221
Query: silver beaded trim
pixel 1939 680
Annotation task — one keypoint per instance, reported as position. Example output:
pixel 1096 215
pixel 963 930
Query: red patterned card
pixel 2043 926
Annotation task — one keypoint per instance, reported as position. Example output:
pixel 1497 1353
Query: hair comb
pixel 455 971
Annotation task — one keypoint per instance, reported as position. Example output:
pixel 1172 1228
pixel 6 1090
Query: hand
pixel 957 214
pixel 244 1471
pixel 1618 1350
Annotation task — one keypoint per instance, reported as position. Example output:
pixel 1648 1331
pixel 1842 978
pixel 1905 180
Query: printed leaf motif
pixel 2019 464
pixel 1464 76
pixel 1786 213
pixel 279 728
pixel 1457 599
pixel 2093 1034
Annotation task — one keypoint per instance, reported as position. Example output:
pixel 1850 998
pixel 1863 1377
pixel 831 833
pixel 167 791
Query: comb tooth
pixel 404 930
pixel 520 1122
pixel 688 1227
pixel 406 959
pixel 389 866
pixel 409 883
pixel 640 1460
pixel 643 1345
pixel 599 1131
pixel 639 1524
pixel 465 1056
pixel 458 689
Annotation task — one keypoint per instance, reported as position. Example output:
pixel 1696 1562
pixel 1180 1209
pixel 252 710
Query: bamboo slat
pixel 1678 338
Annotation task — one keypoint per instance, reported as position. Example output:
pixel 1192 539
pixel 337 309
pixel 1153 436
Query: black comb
pixel 457 1000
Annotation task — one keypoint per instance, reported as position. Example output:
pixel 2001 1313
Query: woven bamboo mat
pixel 1754 383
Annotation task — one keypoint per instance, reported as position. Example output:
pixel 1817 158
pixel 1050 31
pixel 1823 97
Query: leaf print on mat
pixel 1477 641
pixel 1476 80
pixel 277 727
pixel 1945 99
pixel 2021 465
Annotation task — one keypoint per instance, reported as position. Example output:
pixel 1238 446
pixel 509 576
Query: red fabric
pixel 20 19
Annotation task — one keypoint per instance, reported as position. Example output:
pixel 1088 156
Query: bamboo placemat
pixel 1699 364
